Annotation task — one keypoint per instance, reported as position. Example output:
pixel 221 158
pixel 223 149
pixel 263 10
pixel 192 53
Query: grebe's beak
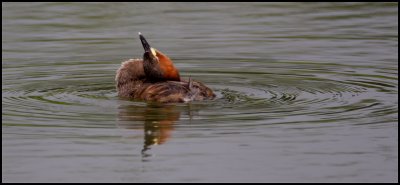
pixel 146 45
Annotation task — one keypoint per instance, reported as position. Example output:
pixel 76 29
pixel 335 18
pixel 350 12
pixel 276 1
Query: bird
pixel 155 78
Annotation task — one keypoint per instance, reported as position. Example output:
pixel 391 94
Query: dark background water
pixel 305 92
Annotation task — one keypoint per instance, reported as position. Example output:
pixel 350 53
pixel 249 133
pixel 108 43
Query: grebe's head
pixel 157 66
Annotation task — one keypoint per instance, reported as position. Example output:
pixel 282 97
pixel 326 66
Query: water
pixel 306 92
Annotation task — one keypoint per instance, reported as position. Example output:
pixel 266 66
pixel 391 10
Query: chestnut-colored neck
pixel 159 67
pixel 168 69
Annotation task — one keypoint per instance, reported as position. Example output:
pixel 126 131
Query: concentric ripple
pixel 293 94
pixel 62 99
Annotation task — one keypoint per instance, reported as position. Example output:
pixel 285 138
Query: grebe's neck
pixel 159 67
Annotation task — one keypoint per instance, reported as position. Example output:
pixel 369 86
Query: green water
pixel 306 92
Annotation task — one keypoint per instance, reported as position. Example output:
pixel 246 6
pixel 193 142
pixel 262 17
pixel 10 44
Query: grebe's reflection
pixel 157 121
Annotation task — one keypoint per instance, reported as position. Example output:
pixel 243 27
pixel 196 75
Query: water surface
pixel 306 92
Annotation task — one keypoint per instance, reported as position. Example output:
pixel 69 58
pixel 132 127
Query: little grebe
pixel 155 78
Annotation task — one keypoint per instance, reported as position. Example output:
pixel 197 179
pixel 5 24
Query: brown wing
pixel 172 91
pixel 169 91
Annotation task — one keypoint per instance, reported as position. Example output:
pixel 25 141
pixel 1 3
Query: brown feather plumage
pixel 131 82
pixel 155 78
